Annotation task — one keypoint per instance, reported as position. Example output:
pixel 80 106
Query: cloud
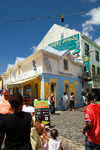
pixel 94 15
pixel 93 1
pixel 66 25
pixel 33 48
pixel 86 33
pixel 97 41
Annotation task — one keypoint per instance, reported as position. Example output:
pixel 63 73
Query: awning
pixel 22 81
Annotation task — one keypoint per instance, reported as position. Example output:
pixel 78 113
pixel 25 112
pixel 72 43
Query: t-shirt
pixel 17 129
pixel 65 98
pixel 92 113
pixel 71 97
pixel 54 144
pixel 5 107
pixel 28 108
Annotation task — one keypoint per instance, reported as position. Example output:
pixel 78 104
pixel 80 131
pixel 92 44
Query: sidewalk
pixel 69 125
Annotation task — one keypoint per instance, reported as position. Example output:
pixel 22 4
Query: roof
pixel 10 66
pixel 19 59
pixel 54 51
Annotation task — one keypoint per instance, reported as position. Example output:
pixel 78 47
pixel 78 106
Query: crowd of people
pixel 20 131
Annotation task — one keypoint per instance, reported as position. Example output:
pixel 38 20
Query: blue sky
pixel 19 39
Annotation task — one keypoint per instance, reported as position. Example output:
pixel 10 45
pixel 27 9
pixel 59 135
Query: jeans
pixel 52 111
pixel 64 104
pixel 90 145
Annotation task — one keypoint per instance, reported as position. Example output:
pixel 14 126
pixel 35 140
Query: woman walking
pixel 65 100
pixel 72 98
pixel 52 99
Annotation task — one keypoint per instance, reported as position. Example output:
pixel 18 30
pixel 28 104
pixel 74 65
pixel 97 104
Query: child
pixel 54 143
pixel 40 128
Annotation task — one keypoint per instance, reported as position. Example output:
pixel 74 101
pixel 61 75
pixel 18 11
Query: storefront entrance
pixel 53 89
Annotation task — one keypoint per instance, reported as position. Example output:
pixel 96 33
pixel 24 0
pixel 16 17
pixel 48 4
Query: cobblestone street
pixel 70 125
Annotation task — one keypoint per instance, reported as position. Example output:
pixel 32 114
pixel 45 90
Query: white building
pixel 44 71
pixel 81 48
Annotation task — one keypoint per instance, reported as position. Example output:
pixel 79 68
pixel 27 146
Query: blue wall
pixel 60 83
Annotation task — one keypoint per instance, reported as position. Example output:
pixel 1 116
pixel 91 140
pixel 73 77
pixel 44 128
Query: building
pixel 44 71
pixel 82 48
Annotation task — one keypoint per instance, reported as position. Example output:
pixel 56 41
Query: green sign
pixel 87 63
pixel 40 104
pixel 70 43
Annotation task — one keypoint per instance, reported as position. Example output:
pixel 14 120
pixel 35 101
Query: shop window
pixel 97 55
pixel 97 70
pixel 93 69
pixel 65 64
pixel 86 49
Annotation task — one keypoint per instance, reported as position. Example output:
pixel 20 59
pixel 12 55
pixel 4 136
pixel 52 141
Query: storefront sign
pixel 41 107
pixel 70 43
pixel 87 63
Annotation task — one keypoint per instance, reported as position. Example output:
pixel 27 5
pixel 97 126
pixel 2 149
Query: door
pixel 67 90
pixel 36 90
pixel 53 89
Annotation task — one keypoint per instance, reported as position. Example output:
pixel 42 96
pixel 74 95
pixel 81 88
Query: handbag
pixel 46 145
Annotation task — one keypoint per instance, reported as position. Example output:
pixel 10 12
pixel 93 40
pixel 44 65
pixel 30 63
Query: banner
pixel 87 63
pixel 70 43
pixel 41 107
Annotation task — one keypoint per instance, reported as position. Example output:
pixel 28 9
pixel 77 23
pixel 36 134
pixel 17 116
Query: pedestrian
pixel 40 128
pixel 36 99
pixel 52 99
pixel 5 107
pixel 65 100
pixel 49 102
pixel 84 100
pixel 72 98
pixel 16 126
pixel 27 107
pixel 54 143
pixel 92 127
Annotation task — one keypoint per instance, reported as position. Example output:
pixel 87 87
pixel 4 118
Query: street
pixel 69 125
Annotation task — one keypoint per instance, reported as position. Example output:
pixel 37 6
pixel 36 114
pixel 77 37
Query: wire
pixel 43 17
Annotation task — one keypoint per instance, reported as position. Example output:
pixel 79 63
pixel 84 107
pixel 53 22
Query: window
pixel 86 49
pixel 65 64
pixel 93 69
pixel 18 70
pixel 97 55
pixel 97 70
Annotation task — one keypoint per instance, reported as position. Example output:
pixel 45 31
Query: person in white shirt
pixel 54 143
pixel 65 100
pixel 26 106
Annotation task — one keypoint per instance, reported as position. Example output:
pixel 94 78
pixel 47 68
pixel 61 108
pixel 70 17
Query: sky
pixel 20 38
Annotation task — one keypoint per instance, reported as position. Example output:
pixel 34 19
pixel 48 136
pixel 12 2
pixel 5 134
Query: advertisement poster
pixel 87 63
pixel 41 107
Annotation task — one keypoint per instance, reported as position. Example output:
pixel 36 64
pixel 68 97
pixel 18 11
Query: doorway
pixel 36 90
pixel 53 89
pixel 67 90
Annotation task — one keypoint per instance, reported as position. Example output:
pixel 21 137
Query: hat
pixel 90 95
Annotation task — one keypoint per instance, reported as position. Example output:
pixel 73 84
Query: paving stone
pixel 69 125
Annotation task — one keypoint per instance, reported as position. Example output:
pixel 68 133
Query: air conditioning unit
pixel 85 75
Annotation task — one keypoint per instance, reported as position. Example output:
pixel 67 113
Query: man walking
pixel 92 119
